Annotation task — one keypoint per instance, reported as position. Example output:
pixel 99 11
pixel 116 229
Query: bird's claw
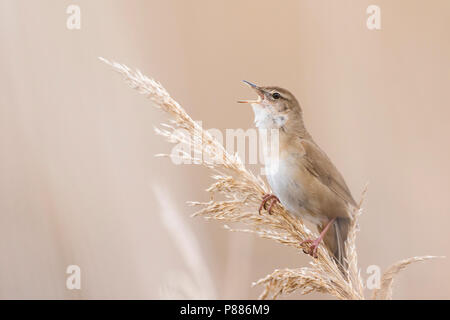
pixel 312 248
pixel 273 199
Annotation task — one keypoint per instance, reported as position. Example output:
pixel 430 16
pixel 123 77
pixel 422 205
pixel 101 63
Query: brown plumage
pixel 302 176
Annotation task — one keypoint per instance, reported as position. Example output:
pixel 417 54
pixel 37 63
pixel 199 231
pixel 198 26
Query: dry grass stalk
pixel 385 290
pixel 242 193
pixel 195 282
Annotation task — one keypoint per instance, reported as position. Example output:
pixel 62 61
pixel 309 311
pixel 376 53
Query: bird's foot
pixel 268 197
pixel 313 246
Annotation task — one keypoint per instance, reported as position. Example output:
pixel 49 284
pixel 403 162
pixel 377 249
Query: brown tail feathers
pixel 335 239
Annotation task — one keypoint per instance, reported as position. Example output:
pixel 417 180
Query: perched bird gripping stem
pixel 305 180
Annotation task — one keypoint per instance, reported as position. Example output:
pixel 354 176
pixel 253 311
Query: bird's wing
pixel 319 165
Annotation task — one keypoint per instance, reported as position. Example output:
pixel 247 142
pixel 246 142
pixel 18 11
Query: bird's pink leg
pixel 266 198
pixel 312 250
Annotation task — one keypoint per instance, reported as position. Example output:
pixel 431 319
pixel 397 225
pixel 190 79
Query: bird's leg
pixel 266 198
pixel 312 250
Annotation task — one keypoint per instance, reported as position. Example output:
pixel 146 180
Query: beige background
pixel 77 168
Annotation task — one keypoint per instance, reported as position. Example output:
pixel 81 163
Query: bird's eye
pixel 276 95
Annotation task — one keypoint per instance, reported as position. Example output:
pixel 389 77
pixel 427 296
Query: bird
pixel 305 181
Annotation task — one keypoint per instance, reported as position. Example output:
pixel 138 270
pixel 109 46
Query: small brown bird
pixel 306 181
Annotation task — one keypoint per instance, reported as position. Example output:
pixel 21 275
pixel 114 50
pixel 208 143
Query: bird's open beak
pixel 258 90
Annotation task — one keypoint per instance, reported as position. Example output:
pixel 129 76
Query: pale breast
pixel 283 177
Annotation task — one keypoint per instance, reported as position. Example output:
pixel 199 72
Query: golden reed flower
pixel 241 193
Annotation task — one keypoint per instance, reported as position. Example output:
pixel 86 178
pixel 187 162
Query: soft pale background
pixel 77 166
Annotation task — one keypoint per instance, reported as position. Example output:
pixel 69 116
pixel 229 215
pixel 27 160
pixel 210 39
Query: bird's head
pixel 275 108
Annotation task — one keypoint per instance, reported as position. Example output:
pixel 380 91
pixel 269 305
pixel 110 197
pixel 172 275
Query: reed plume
pixel 236 194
